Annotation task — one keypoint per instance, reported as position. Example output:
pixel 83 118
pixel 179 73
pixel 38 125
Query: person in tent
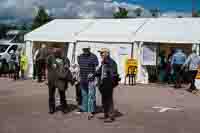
pixel 178 59
pixel 162 66
pixel 23 64
pixel 35 64
pixel 193 61
pixel 41 59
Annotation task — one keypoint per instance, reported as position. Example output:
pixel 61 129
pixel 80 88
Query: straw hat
pixel 104 50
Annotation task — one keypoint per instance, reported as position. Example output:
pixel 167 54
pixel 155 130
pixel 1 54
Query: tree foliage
pixel 155 12
pixel 122 13
pixel 41 18
pixel 196 14
pixel 138 12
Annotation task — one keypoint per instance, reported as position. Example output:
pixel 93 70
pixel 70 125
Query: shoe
pixel 90 116
pixel 189 90
pixel 109 120
pixel 79 112
pixel 51 111
pixel 64 111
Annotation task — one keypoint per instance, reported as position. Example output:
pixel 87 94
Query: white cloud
pixel 23 9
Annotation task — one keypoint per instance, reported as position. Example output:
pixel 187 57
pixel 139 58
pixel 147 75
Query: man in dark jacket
pixel 108 80
pixel 41 60
pixel 58 77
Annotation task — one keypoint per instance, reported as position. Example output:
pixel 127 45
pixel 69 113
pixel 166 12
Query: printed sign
pixel 149 55
pixel 131 63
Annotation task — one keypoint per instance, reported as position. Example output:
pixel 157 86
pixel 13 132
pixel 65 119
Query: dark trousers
pixel 16 72
pixel 41 70
pixel 78 94
pixel 63 102
pixel 106 91
pixel 178 74
pixel 193 74
pixel 35 70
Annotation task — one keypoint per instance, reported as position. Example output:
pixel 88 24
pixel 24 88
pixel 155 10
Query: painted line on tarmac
pixel 165 109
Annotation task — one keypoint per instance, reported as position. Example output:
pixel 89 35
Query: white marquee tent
pixel 59 30
pixel 124 37
pixel 170 30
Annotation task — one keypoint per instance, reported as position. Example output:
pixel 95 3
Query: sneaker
pixel 90 116
pixel 109 120
pixel 79 112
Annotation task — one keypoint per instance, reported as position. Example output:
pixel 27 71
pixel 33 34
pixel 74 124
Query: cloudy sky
pixel 15 10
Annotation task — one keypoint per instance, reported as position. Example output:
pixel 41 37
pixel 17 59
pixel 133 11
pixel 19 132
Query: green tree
pixel 198 13
pixel 155 12
pixel 41 18
pixel 138 12
pixel 122 13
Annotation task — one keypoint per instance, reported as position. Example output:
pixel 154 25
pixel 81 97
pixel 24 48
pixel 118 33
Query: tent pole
pixel 132 49
pixel 74 53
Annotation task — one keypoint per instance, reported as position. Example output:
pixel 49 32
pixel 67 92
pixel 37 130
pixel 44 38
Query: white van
pixel 13 40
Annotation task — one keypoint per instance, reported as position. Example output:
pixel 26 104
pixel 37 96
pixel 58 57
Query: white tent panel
pixel 119 52
pixel 170 30
pixel 112 30
pixel 59 30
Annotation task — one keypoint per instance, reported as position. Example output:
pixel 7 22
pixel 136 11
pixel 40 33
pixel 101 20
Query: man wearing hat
pixel 87 62
pixel 108 80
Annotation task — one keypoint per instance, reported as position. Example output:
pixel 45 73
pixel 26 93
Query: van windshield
pixel 3 48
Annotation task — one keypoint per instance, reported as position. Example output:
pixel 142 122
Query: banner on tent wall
pixel 149 55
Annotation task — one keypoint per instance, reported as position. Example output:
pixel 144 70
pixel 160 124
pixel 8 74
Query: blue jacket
pixel 178 58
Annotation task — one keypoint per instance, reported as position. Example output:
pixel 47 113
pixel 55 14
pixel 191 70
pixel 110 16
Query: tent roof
pixel 164 30
pixel 111 30
pixel 59 30
pixel 170 30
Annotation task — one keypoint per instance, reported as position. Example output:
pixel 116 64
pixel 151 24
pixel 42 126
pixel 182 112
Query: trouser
pixel 16 72
pixel 41 69
pixel 78 94
pixel 22 74
pixel 88 92
pixel 63 102
pixel 106 90
pixel 178 74
pixel 35 70
pixel 193 74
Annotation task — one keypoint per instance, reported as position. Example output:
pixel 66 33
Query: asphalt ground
pixel 152 108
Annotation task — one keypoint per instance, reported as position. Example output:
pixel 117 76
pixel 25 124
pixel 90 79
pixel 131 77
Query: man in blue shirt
pixel 178 59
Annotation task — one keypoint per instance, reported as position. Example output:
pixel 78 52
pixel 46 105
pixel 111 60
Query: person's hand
pixel 182 68
pixel 54 66
pixel 90 76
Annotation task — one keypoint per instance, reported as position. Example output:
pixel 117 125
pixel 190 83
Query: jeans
pixel 88 92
